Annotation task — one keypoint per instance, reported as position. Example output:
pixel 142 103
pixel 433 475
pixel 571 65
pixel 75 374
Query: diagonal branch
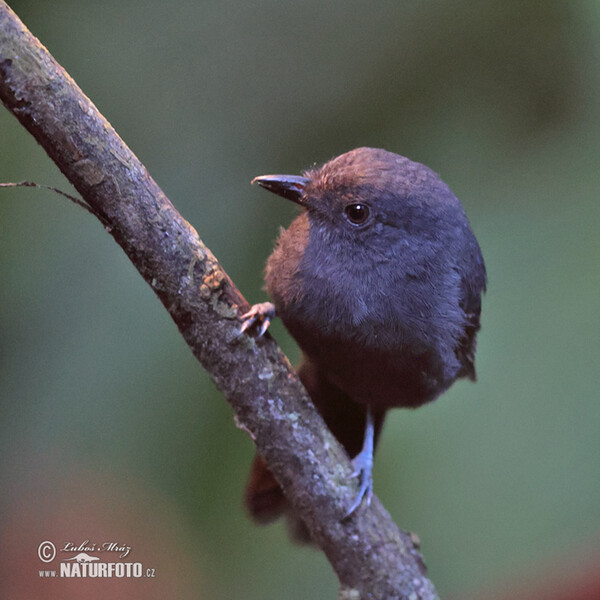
pixel 371 556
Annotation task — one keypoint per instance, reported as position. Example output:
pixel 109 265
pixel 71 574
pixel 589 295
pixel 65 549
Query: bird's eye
pixel 357 213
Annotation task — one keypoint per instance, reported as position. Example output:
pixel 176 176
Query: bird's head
pixel 371 198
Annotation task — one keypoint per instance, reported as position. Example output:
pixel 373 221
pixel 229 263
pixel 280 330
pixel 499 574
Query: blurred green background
pixel 110 428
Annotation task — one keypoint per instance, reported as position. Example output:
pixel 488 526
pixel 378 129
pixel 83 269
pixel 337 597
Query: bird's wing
pixel 473 283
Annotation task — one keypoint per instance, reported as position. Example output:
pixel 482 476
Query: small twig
pixel 74 199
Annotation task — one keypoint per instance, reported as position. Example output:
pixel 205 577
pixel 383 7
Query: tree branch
pixel 371 556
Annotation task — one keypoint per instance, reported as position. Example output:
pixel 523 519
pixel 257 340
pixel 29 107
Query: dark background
pixel 111 431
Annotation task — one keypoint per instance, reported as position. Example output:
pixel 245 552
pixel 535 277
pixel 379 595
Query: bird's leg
pixel 363 465
pixel 259 315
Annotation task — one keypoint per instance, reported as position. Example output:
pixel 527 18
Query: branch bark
pixel 372 557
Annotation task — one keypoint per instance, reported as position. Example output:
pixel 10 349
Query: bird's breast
pixel 369 374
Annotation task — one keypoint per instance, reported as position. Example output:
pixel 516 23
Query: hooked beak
pixel 290 187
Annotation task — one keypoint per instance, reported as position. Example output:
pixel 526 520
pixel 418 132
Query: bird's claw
pixel 363 468
pixel 363 465
pixel 259 315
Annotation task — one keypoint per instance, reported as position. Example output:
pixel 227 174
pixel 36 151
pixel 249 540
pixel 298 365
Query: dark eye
pixel 357 213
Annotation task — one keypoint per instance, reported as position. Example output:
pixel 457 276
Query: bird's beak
pixel 290 187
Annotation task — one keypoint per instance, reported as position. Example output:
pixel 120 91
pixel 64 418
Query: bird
pixel 379 280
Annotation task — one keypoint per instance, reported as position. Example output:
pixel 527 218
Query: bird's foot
pixel 259 316
pixel 363 465
pixel 363 468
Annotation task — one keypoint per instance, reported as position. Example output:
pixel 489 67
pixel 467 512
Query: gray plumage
pixel 379 280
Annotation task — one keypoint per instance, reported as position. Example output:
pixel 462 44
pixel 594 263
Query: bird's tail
pixel 345 418
pixel 263 497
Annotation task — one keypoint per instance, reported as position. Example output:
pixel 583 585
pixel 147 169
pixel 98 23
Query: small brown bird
pixel 379 280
